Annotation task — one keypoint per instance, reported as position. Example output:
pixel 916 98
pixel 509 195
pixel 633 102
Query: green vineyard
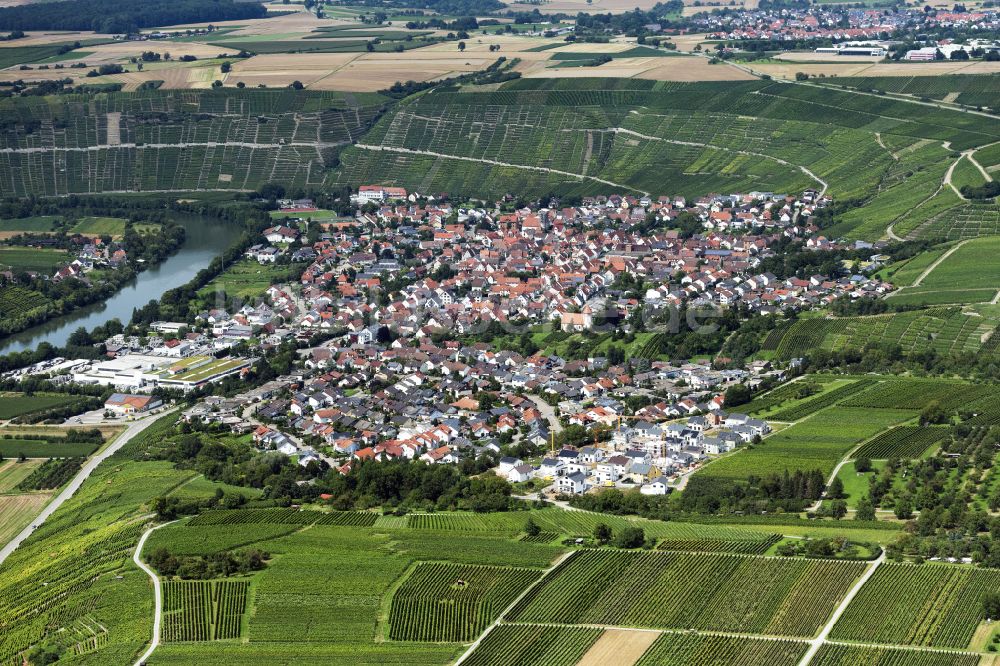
pixel 845 655
pixel 284 517
pixel 902 442
pixel 720 545
pixel 533 645
pixel 203 610
pixel 905 604
pixel 690 591
pixel 689 650
pixel 813 405
pixel 453 603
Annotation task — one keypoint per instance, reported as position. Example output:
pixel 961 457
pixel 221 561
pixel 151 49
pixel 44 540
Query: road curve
pixel 133 429
pixel 157 593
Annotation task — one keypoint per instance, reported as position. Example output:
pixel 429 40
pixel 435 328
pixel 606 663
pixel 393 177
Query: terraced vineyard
pixel 177 140
pixel 902 604
pixel 945 330
pixel 702 591
pixel 203 610
pixel 688 650
pixel 533 645
pixel 587 135
pixel 453 603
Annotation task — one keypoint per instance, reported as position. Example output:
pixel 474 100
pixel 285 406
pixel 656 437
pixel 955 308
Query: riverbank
pixel 205 239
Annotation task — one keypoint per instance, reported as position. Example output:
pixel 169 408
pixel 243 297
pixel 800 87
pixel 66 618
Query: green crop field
pixel 32 259
pixel 683 591
pixel 968 274
pixel 902 604
pixel 40 223
pixel 98 226
pixel 16 511
pixel 37 448
pixel 246 279
pixel 902 442
pixel 203 610
pixel 13 405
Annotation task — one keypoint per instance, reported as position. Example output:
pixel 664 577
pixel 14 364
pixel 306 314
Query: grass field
pixel 32 259
pixel 13 472
pixel 41 223
pixel 35 448
pixel 17 511
pixel 99 226
pixel 246 279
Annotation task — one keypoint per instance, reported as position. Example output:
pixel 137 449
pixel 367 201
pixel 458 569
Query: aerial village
pixel 403 314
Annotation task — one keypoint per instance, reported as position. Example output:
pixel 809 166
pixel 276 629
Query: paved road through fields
pixel 133 429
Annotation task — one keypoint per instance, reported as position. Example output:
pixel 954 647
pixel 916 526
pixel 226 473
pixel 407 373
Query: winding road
pixel 157 593
pixel 133 429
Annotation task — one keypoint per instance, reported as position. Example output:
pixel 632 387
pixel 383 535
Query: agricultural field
pixel 965 275
pixel 533 645
pixel 902 442
pixel 32 259
pixel 943 329
pixel 845 655
pixel 453 603
pixel 819 442
pixel 683 591
pixel 17 511
pixel 40 448
pixel 683 649
pixel 203 610
pixel 931 605
pixel 13 405
pixel 39 224
pixel 210 140
pixel 100 226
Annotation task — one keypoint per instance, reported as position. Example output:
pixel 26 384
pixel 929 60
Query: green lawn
pixel 856 484
pixel 246 279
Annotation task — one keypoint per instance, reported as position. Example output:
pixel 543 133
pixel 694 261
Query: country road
pixel 927 271
pixel 817 642
pixel 133 429
pixel 192 144
pixel 157 593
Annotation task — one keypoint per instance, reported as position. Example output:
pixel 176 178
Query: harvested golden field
pixel 574 6
pixel 42 38
pixel 675 68
pixel 620 647
pixel 17 512
pixel 119 51
pixel 877 68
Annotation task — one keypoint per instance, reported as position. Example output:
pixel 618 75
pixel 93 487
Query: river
pixel 205 239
